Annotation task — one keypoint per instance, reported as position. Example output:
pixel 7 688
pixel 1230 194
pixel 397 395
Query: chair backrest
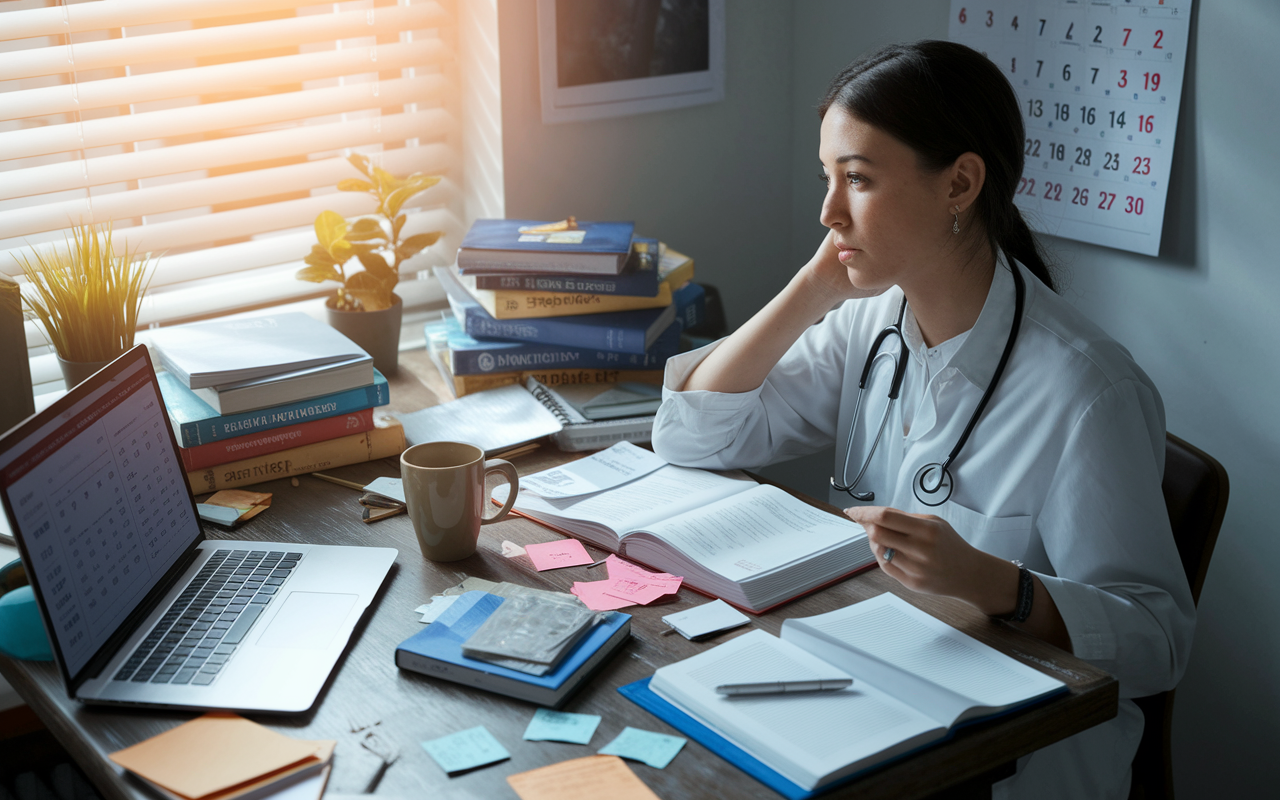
pixel 1195 493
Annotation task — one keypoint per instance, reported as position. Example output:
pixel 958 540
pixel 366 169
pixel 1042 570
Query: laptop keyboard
pixel 200 632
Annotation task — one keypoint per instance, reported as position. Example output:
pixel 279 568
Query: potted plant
pixel 365 307
pixel 87 298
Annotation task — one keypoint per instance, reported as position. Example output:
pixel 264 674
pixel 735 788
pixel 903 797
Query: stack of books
pixel 270 397
pixel 587 304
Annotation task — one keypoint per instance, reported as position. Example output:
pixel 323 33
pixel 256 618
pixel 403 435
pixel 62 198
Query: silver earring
pixel 955 226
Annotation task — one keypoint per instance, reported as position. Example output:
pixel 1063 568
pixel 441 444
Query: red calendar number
pixel 1107 199
pixel 1026 186
pixel 1141 165
pixel 1159 37
pixel 1146 123
pixel 1125 43
pixel 1053 191
pixel 1133 205
pixel 1124 79
pixel 963 16
pixel 1151 81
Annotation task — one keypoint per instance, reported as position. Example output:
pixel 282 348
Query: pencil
pixel 339 481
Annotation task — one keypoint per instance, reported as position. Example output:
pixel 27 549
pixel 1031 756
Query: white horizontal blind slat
pixel 431 124
pixel 82 17
pixel 218 117
pixel 257 74
pixel 221 40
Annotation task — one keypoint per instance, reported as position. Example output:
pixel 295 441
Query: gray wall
pixel 733 185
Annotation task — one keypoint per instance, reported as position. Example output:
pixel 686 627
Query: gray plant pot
pixel 377 332
pixel 73 372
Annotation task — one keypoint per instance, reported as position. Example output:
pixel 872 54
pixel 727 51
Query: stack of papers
pixel 222 756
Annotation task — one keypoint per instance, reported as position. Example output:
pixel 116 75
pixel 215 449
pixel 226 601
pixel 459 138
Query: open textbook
pixel 750 544
pixel 915 679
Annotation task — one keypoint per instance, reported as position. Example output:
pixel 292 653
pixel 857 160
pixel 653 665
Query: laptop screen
pixel 99 503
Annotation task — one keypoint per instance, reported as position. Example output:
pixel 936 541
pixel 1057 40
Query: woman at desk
pixel 1001 449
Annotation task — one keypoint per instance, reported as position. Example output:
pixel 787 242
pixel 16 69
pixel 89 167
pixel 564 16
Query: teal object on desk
pixel 22 634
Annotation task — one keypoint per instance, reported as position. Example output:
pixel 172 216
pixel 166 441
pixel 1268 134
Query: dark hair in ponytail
pixel 943 99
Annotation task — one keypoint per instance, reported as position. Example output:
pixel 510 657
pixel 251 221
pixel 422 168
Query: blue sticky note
pixel 559 726
pixel 473 747
pixel 654 749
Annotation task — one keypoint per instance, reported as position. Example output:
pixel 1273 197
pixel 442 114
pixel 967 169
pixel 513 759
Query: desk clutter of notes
pixel 1099 84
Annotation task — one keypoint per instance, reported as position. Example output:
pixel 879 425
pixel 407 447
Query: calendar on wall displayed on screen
pixel 1099 84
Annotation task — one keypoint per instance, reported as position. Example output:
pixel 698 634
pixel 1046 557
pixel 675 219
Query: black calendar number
pixel 1058 152
pixel 1112 162
pixel 1066 72
pixel 991 18
pixel 1014 24
pixel 1071 27
pixel 1032 148
pixel 1097 34
pixel 1035 108
pixel 1041 33
pixel 1079 196
pixel 1088 114
pixel 1117 120
pixel 1062 112
pixel 1039 66
pixel 1094 79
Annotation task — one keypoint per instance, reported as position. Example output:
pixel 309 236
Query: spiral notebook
pixel 498 419
pixel 580 433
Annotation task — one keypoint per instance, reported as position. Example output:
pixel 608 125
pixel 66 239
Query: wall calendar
pixel 1099 84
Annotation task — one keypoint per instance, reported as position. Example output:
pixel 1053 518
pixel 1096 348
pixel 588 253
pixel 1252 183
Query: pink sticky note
pixel 593 595
pixel 554 555
pixel 641 592
pixel 625 569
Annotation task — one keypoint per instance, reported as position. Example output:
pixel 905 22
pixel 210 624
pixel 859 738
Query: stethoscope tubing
pixel 942 489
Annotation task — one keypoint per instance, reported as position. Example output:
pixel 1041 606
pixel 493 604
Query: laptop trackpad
pixel 308 620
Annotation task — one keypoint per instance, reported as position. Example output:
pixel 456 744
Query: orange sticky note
pixel 215 753
pixel 587 778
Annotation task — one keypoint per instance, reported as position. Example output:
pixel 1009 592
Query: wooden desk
pixel 411 708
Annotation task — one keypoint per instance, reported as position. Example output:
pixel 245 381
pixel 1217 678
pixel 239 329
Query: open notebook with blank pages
pixel 915 680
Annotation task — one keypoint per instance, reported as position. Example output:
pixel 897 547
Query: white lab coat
pixel 1062 472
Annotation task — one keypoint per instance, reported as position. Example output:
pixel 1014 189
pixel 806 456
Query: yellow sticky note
pixel 587 778
pixel 211 754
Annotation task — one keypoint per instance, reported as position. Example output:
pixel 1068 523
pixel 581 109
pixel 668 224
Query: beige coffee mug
pixel 445 493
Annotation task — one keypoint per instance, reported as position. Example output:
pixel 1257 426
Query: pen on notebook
pixel 784 687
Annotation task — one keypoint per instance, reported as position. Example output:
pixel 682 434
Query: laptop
pixel 143 609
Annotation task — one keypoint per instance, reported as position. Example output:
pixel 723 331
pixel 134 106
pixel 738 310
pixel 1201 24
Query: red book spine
pixel 274 440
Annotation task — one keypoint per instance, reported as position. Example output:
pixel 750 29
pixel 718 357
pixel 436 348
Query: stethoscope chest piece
pixel 932 484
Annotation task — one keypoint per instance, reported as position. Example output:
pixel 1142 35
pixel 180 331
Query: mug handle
pixel 505 467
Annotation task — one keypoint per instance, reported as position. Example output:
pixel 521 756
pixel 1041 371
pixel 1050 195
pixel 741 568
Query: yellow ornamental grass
pixel 87 296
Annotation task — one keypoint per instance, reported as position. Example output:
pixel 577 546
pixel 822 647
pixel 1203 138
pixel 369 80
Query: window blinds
pixel 213 132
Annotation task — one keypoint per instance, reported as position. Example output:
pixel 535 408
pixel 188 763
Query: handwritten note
pixel 655 749
pixel 622 463
pixel 467 749
pixel 554 555
pixel 560 726
pixel 627 585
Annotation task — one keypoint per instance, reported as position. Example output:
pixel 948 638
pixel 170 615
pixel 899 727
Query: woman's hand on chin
pixel 826 275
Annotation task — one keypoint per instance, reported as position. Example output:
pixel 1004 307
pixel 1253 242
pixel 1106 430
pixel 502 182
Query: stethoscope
pixel 933 484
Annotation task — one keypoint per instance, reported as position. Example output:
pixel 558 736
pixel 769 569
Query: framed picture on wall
pixel 609 58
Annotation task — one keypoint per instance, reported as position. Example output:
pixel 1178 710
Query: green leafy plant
pixel 87 297
pixel 374 241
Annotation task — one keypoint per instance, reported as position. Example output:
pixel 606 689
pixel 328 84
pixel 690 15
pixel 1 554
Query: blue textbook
pixel 619 332
pixel 437 652
pixel 507 245
pixel 470 356
pixel 196 422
